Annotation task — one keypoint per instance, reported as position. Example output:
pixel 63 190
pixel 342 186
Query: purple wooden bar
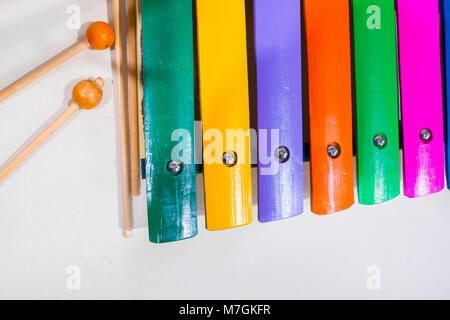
pixel 279 86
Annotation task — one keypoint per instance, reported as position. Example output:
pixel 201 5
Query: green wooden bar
pixel 376 100
pixel 168 67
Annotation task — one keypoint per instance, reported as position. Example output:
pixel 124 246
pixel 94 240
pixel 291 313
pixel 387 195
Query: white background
pixel 61 207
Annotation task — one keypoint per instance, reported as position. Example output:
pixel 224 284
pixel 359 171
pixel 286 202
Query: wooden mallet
pixel 99 36
pixel 87 94
pixel 122 125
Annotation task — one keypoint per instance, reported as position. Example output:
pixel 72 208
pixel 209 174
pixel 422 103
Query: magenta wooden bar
pixel 421 96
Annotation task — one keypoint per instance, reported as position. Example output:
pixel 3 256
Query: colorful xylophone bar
pixel 330 104
pixel 421 96
pixel 168 68
pixel 224 106
pixel 376 100
pixel 279 88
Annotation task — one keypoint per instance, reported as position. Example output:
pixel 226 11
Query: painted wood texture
pixel 168 67
pixel 330 104
pixel 279 85
pixel 376 85
pixel 421 89
pixel 445 14
pixel 224 105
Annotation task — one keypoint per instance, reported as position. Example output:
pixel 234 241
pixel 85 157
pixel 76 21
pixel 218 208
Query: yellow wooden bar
pixel 224 105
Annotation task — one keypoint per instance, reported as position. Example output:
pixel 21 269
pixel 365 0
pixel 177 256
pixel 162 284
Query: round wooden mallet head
pixel 87 94
pixel 100 35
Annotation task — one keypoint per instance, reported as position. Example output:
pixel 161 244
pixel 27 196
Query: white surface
pixel 61 207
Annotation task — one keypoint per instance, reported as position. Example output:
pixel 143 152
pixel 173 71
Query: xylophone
pixel 367 77
pixel 371 63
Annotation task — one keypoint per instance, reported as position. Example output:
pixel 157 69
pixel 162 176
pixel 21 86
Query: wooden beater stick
pixel 99 36
pixel 133 100
pixel 86 94
pixel 140 84
pixel 122 125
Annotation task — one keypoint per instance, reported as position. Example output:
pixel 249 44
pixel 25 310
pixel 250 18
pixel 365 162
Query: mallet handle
pixel 122 119
pixel 43 69
pixel 41 138
pixel 133 101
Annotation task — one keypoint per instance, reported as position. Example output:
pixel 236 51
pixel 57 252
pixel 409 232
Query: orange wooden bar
pixel 330 104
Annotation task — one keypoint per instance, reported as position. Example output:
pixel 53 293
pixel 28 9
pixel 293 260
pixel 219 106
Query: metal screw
pixel 282 154
pixel 380 141
pixel 229 158
pixel 334 150
pixel 175 167
pixel 426 135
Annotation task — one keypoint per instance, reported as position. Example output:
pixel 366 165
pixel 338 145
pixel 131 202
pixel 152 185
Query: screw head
pixel 334 150
pixel 175 167
pixel 380 141
pixel 282 154
pixel 426 135
pixel 229 158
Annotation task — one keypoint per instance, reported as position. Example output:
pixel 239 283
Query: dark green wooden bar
pixel 168 75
